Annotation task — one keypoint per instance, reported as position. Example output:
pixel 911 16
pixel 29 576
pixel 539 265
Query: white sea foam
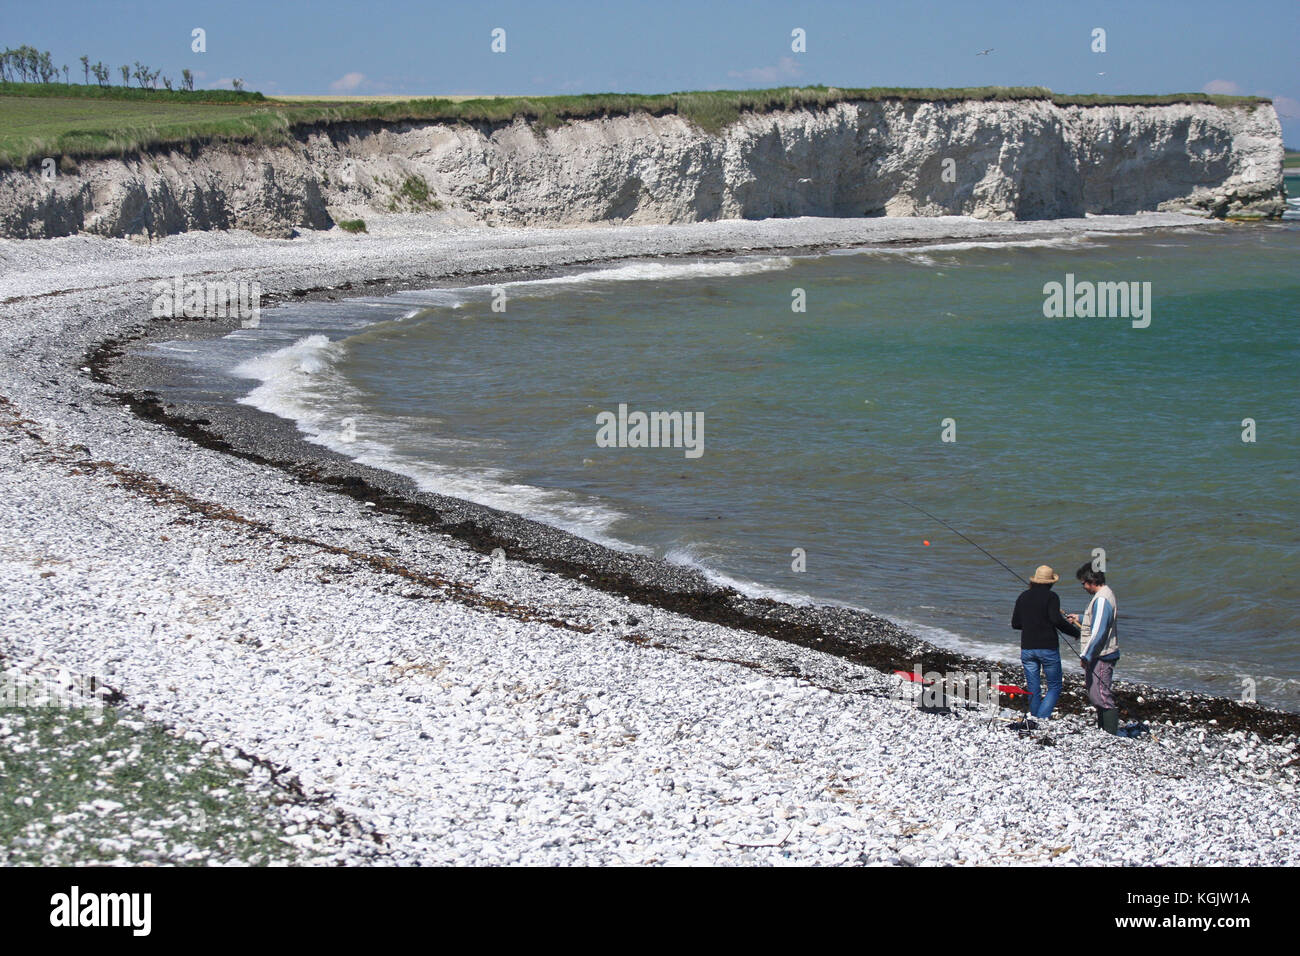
pixel 943 637
pixel 631 272
pixel 286 374
pixel 585 518
pixel 920 252
pixel 661 271
pixel 291 387
pixel 688 558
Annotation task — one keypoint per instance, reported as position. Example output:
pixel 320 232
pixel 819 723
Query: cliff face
pixel 1026 159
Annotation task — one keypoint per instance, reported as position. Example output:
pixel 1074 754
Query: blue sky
pixel 402 47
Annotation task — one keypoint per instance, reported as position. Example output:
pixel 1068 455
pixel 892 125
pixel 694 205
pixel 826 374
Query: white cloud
pixel 348 82
pixel 785 69
pixel 1222 87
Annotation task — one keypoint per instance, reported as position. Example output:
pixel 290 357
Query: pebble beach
pixel 420 704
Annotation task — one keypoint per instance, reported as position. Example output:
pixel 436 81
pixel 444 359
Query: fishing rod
pixel 974 545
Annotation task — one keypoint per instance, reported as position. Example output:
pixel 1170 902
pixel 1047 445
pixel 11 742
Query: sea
pixel 907 429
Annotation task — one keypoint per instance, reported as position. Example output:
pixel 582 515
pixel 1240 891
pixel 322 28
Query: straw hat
pixel 1044 575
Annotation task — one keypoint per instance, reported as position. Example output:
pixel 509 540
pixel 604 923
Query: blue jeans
pixel 1041 704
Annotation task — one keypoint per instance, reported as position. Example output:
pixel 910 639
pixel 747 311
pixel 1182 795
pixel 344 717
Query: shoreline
pixel 857 635
pixel 438 545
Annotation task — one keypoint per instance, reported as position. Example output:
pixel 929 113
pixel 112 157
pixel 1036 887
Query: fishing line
pixel 972 544
pixel 956 532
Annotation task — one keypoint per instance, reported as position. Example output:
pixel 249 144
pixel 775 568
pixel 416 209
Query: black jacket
pixel 1038 617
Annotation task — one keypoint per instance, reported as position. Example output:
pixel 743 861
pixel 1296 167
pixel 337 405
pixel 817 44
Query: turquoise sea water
pixel 1072 434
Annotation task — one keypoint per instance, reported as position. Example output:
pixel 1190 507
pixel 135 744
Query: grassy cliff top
pixel 76 121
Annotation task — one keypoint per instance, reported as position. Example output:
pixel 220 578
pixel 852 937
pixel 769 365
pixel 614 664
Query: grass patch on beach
pixel 80 786
pixel 58 119
pixel 412 195
pixel 352 225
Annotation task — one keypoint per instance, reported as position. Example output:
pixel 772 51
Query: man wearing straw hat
pixel 1038 617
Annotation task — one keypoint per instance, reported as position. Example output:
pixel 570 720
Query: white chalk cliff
pixel 1022 159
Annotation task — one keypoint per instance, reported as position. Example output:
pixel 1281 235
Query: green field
pixel 31 128
pixel 76 121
